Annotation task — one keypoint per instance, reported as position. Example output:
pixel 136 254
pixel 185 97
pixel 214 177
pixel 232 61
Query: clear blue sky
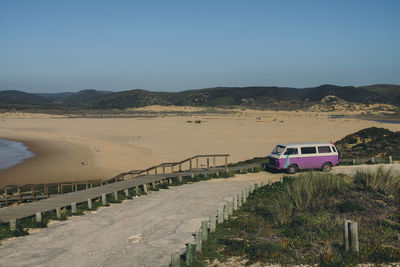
pixel 54 46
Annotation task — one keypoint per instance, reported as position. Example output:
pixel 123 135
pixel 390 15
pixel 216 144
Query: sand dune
pixel 114 145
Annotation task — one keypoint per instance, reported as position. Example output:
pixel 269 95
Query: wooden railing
pixel 172 165
pixel 11 194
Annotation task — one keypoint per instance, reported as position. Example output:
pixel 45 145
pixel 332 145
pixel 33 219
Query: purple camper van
pixel 294 157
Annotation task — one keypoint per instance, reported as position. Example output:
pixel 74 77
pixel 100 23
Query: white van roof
pixel 306 144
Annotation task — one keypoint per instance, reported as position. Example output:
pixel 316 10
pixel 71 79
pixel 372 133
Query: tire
pixel 326 167
pixel 292 169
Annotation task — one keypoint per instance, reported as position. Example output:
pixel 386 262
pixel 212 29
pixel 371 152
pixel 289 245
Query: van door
pixel 291 156
pixel 309 157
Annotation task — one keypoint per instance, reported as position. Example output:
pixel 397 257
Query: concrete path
pixel 139 232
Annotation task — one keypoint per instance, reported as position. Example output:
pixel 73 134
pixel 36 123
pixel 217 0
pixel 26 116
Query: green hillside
pixel 252 97
pixel 370 142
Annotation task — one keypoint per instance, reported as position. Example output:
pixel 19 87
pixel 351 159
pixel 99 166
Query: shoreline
pixel 36 169
pixel 30 146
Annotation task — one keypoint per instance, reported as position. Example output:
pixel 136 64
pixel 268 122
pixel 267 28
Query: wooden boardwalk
pixel 9 214
pixel 31 192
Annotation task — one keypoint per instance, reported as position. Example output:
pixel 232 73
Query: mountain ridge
pixel 253 96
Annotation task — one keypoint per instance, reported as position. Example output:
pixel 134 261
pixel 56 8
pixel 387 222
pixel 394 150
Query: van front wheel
pixel 292 169
pixel 326 167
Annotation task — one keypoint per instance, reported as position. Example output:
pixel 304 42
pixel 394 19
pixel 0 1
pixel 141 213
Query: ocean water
pixel 381 121
pixel 13 153
pixel 385 121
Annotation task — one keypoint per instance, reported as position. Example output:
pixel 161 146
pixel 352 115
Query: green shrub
pixel 383 181
pixel 304 192
pixel 378 253
pixel 6 232
pixel 273 251
pixel 349 206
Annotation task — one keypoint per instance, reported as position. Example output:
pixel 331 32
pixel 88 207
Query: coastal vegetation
pixel 370 142
pixel 300 220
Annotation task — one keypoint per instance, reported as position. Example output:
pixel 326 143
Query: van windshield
pixel 278 150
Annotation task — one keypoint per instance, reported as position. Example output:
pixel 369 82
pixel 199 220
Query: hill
pixel 56 97
pixel 370 142
pixel 387 91
pixel 252 97
pixel 14 97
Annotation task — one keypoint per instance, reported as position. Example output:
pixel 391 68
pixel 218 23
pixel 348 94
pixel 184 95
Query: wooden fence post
pixel 38 217
pixel 116 196
pixel 89 203
pixel 230 208
pixel 19 195
pixel 235 206
pixel 33 193
pixel 58 212
pixel 191 248
pixel 199 241
pixel 104 199
pixel 126 191
pixel 346 234
pixel 390 160
pixel 213 223
pixel 73 207
pixel 226 216
pixel 354 237
pixel 204 230
pixel 13 224
pixel 176 259
pixel 6 195
pixel 220 217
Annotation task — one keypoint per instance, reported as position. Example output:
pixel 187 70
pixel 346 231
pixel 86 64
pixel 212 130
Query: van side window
pixel 291 151
pixel 308 150
pixel 324 149
pixel 334 149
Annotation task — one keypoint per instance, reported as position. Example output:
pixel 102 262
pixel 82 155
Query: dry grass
pixel 304 192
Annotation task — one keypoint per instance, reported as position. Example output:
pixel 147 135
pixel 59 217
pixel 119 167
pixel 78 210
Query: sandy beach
pixel 109 146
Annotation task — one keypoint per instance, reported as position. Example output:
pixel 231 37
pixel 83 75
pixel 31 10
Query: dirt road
pixel 139 232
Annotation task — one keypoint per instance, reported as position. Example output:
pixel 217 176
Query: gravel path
pixel 139 232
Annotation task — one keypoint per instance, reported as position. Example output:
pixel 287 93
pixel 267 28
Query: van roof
pixel 306 144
